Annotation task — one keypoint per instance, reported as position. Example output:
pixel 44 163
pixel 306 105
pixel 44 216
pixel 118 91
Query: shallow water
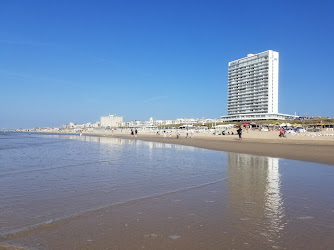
pixel 118 194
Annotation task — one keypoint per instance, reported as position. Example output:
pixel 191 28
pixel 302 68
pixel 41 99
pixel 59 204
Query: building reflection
pixel 255 196
pixel 121 141
pixel 98 139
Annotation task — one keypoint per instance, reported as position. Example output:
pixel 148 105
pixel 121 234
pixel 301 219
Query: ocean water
pixel 241 200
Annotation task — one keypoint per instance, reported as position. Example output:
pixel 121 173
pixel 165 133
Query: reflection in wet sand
pixel 120 141
pixel 255 195
pixel 274 206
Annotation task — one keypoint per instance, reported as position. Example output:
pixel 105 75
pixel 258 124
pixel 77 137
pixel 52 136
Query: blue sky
pixel 73 61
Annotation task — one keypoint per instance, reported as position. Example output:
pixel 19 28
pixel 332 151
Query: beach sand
pixel 313 147
pixel 231 213
pixel 248 208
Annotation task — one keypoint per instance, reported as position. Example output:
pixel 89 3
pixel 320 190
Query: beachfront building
pixel 253 88
pixel 111 121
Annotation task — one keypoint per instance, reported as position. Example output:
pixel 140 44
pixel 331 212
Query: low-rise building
pixel 111 121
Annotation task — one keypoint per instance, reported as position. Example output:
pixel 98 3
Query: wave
pixel 20 232
pixel 51 168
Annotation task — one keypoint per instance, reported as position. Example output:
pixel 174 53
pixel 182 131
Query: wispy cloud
pixel 28 43
pixel 38 79
pixel 155 99
pixel 136 70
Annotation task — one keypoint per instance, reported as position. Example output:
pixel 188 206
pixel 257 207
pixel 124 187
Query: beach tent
pixel 186 126
pixel 285 125
pixel 224 126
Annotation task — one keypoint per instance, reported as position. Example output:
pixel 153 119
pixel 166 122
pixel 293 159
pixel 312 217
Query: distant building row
pixel 113 121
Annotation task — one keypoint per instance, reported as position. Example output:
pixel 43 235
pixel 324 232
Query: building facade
pixel 111 121
pixel 253 88
pixel 253 84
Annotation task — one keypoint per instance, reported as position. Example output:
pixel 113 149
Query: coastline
pixel 303 151
pixel 295 148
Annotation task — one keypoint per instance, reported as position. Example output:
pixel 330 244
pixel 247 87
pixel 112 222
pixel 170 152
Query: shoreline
pixel 319 151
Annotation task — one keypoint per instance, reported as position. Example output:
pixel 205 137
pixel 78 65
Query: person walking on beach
pixel 239 131
pixel 136 132
pixel 165 134
pixel 187 134
pixel 191 133
pixel 132 132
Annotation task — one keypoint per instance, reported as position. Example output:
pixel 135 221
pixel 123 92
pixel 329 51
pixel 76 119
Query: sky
pixel 74 61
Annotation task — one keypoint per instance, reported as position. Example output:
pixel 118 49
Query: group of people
pixel 224 133
pixel 178 134
pixel 282 133
pixel 134 133
pixel 165 133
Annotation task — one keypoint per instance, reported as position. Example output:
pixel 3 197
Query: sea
pixel 58 191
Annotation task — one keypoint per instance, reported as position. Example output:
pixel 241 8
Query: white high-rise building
pixel 253 88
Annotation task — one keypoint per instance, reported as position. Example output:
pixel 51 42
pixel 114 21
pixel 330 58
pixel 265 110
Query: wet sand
pixel 164 199
pixel 304 150
pixel 312 147
pixel 221 215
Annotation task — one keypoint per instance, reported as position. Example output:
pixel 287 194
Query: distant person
pixel 165 134
pixel 177 135
pixel 136 133
pixel 191 133
pixel 132 132
pixel 187 134
pixel 239 131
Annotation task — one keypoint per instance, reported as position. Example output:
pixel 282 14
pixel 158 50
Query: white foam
pixel 151 235
pixel 175 237
pixel 305 218
pixel 250 202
